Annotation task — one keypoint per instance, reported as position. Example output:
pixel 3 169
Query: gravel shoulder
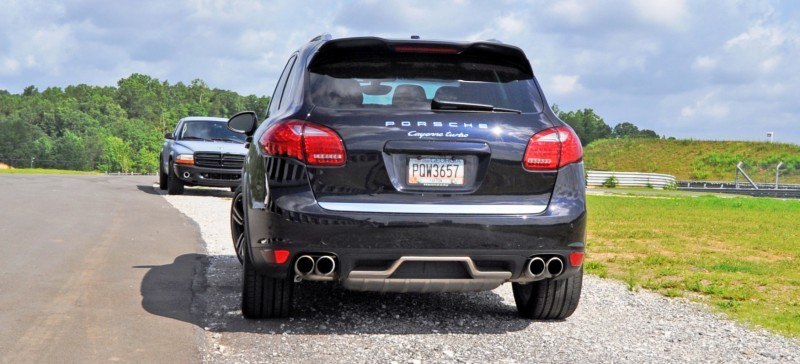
pixel 333 325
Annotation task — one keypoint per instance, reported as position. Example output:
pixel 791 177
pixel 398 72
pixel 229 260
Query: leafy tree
pixel 70 152
pixel 648 134
pixel 17 141
pixel 116 155
pixel 588 125
pixel 626 130
pixel 30 91
pixel 106 128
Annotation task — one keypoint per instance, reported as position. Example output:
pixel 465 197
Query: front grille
pixel 219 160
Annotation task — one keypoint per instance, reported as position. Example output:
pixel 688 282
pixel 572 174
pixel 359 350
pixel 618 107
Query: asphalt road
pixel 76 255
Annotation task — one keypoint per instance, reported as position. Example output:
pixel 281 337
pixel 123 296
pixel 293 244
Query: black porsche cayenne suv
pixel 410 166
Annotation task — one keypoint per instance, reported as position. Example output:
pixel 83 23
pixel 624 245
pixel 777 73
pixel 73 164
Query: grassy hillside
pixel 695 160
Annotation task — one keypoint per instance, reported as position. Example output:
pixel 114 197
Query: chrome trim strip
pixel 473 270
pixel 408 208
pixel 421 285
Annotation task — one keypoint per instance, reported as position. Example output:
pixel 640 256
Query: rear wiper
pixel 467 106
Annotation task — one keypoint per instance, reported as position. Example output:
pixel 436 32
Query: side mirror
pixel 243 122
pixel 169 135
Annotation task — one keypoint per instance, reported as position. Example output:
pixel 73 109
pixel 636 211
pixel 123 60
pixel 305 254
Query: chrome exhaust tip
pixel 325 265
pixel 304 265
pixel 536 267
pixel 186 175
pixel 555 266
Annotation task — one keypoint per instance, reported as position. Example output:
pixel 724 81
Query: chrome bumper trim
pixel 470 265
pixel 403 208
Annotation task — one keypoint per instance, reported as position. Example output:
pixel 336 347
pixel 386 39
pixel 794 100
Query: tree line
pixel 106 128
pixel 590 127
pixel 121 128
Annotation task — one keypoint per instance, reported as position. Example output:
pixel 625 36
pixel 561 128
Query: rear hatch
pixel 427 125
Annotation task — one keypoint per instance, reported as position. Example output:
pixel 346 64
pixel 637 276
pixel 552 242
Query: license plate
pixel 440 172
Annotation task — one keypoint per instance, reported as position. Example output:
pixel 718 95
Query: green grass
pixel 739 255
pixel 694 160
pixel 42 171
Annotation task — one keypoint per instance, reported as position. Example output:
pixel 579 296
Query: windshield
pixel 210 131
pixel 413 83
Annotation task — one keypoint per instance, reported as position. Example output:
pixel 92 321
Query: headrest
pixel 410 96
pixel 337 92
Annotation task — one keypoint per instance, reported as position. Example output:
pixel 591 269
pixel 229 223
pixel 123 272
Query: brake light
pixel 551 149
pixel 311 143
pixel 425 49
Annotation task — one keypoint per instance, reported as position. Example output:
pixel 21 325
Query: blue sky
pixel 690 69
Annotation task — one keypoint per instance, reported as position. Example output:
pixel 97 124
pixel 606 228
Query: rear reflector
pixel 281 256
pixel 576 258
pixel 314 144
pixel 551 149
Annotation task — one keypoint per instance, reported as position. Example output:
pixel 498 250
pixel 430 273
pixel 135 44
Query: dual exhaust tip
pixel 537 267
pixel 322 266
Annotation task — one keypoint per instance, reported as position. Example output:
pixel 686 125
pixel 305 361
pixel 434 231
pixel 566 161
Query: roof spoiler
pixel 491 50
pixel 323 36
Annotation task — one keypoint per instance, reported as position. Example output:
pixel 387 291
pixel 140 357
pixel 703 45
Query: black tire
pixel 174 184
pixel 548 299
pixel 162 177
pixel 265 297
pixel 237 224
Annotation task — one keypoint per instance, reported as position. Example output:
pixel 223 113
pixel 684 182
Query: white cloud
pixel 565 84
pixel 759 35
pixel 671 13
pixel 769 64
pixel 706 107
pixel 9 66
pixel 510 24
pixel 654 63
pixel 704 63
pixel 569 10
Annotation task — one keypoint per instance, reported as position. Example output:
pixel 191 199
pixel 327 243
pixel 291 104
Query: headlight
pixel 184 159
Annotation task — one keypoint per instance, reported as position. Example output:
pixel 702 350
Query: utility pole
pixel 32 159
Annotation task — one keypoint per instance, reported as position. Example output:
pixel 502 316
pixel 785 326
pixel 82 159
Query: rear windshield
pixel 209 130
pixel 411 83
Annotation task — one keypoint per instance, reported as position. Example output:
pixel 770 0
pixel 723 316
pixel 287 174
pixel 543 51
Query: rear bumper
pixel 210 177
pixel 292 219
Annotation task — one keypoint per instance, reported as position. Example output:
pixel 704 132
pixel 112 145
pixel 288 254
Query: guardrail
pixel 630 179
pixel 729 184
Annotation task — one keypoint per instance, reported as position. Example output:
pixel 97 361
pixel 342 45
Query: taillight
pixel 314 144
pixel 551 149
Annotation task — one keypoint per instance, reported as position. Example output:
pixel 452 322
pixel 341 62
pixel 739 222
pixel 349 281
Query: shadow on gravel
pixel 189 191
pixel 205 291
